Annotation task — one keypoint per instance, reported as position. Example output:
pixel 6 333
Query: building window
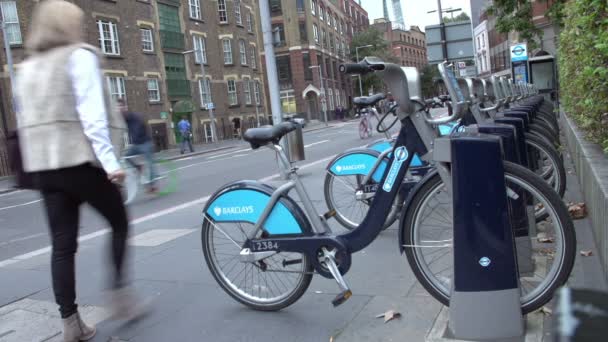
pixel 200 49
pixel 306 66
pixel 321 12
pixel 313 7
pixel 195 9
pixel 278 34
pixel 108 37
pixel 204 90
pixel 153 90
pixel 254 63
pixel 243 51
pixel 315 32
pixel 303 32
pixel 288 101
pixel 227 44
pixel 11 22
pixel 323 38
pixel 247 90
pixel 330 94
pixel 237 12
pixel 300 5
pixel 232 98
pixel 284 68
pixel 221 11
pixel 147 42
pixel 249 22
pixel 117 87
pixel 337 94
pixel 256 92
pixel 483 40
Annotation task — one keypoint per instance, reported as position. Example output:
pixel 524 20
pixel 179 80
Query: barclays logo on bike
pixel 401 155
pixel 350 167
pixel 233 210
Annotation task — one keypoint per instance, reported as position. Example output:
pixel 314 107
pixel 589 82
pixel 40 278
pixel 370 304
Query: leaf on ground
pixel 545 310
pixel 544 238
pixel 586 253
pixel 389 315
pixel 577 210
pixel 549 252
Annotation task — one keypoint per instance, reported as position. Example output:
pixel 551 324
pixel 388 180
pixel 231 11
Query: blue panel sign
pixel 358 164
pixel 519 52
pixel 401 155
pixel 247 206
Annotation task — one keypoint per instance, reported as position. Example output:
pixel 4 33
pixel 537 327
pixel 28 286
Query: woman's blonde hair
pixel 55 23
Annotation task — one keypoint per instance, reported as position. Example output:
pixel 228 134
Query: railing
pixel 171 40
pixel 178 88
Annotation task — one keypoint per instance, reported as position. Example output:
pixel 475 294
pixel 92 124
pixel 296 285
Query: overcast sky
pixel 415 11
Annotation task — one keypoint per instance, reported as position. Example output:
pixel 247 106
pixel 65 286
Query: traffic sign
pixel 164 115
pixel 519 52
pixel 210 105
pixel 462 65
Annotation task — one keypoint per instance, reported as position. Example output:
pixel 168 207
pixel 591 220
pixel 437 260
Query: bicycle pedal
pixel 330 214
pixel 342 297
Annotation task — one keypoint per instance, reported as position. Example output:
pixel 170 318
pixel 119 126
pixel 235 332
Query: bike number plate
pixel 370 188
pixel 262 246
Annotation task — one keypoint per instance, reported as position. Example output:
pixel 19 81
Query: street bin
pixel 295 142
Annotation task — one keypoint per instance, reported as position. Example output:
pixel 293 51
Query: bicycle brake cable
pixel 393 111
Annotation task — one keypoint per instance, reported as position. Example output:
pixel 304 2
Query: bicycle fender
pixel 407 203
pixel 357 161
pixel 244 201
pixel 383 145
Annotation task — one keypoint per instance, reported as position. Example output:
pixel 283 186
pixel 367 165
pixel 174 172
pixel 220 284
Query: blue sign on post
pixel 519 52
pixel 210 105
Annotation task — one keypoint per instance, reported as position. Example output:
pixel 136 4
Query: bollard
pixel 485 299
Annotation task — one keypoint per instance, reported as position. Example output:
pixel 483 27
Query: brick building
pixel 409 46
pixel 314 33
pixel 146 44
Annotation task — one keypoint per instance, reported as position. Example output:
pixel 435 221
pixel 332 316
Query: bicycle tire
pixel 542 133
pixel 363 129
pixel 568 237
pixel 542 128
pixel 555 158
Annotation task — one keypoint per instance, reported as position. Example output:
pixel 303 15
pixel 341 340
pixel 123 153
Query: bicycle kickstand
pixel 330 262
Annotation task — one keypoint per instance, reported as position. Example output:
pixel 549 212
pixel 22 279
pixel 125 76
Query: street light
pixel 208 91
pixel 323 100
pixel 357 56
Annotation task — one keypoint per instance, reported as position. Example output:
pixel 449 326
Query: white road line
pixel 142 219
pixel 20 205
pixel 22 239
pixel 11 193
pixel 228 153
pixel 316 143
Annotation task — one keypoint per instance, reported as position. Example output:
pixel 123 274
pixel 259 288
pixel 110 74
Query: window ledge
pixel 155 103
pixel 224 23
pixel 151 53
pixel 231 64
pixel 240 25
pixel 234 106
pixel 113 56
pixel 197 20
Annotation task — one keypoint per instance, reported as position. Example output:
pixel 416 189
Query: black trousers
pixel 64 191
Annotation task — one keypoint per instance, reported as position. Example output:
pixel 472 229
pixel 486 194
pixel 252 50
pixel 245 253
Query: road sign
pixel 462 65
pixel 164 115
pixel 519 52
pixel 210 105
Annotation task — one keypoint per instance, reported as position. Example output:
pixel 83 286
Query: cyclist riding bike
pixel 141 142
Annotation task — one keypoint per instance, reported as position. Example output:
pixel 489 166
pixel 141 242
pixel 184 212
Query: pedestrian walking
pixel 185 129
pixel 141 142
pixel 70 133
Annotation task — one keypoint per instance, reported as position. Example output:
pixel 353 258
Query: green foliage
pixel 516 16
pixel 583 66
pixel 380 48
pixel 429 74
pixel 461 17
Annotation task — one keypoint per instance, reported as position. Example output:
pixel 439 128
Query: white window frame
pixel 249 22
pixel 195 9
pixel 243 52
pixel 254 59
pixel 199 45
pixel 330 95
pixel 315 33
pixel 247 90
pixel 156 98
pixel 233 99
pixel 113 38
pixel 116 86
pixel 147 37
pixel 313 7
pixel 204 91
pixel 11 22
pixel 321 13
pixel 227 51
pixel 237 12
pixel 222 11
pixel 257 92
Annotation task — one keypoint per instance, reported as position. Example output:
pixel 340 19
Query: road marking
pixel 157 237
pixel 142 219
pixel 11 193
pixel 228 153
pixel 316 143
pixel 239 155
pixel 20 205
pixel 22 239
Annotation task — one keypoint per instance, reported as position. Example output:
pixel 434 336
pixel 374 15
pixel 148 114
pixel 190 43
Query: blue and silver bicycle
pixel 263 248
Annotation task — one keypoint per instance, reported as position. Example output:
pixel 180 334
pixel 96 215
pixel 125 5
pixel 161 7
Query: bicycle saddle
pixel 365 101
pixel 263 135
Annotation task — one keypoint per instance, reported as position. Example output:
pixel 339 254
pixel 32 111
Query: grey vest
pixel 50 131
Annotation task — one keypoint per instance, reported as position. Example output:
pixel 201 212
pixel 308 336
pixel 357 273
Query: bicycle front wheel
pixel 363 129
pixel 427 233
pixel 269 284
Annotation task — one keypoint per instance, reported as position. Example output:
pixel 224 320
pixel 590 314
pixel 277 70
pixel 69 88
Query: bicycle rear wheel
pixel 363 128
pixel 427 233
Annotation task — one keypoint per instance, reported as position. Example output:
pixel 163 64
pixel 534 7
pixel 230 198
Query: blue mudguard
pixel 357 161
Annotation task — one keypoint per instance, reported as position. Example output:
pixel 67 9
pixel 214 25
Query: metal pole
pixel 442 29
pixel 257 113
pixel 359 76
pixel 208 90
pixel 271 63
pixel 11 73
pixel 324 101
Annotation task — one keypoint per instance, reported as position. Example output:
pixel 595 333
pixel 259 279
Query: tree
pixel 461 17
pixel 428 76
pixel 379 48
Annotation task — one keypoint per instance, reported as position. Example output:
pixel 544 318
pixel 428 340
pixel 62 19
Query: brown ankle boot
pixel 75 330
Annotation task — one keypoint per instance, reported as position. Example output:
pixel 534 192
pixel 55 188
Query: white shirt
pixel 83 66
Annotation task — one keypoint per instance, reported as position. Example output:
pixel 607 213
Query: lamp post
pixel 11 73
pixel 207 90
pixel 323 100
pixel 357 56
